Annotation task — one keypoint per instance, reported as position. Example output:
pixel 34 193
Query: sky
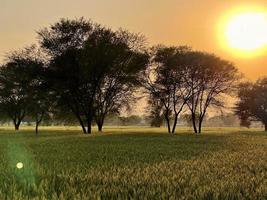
pixel 170 22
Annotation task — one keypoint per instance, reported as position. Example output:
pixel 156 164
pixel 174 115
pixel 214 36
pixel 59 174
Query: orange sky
pixel 171 22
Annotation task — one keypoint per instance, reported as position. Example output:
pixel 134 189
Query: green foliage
pixel 139 164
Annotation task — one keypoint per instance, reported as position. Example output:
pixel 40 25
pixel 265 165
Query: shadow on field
pixel 124 146
pixel 114 147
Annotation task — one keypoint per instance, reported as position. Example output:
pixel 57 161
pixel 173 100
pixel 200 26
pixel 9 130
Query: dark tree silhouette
pixel 93 69
pixel 156 112
pixel 252 104
pixel 208 79
pixel 121 59
pixel 63 42
pixel 165 82
pixel 41 104
pixel 64 35
pixel 17 83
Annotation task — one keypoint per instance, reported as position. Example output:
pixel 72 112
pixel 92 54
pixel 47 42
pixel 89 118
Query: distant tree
pixel 93 69
pixel 252 104
pixel 131 120
pixel 156 112
pixel 222 120
pixel 165 82
pixel 208 79
pixel 17 83
pixel 41 105
pixel 187 118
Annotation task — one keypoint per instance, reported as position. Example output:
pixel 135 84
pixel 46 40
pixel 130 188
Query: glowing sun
pixel 243 32
pixel 247 31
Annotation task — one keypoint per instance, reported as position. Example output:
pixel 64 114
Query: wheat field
pixel 133 163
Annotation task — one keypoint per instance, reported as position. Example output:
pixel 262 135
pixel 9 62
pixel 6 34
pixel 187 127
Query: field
pixel 133 163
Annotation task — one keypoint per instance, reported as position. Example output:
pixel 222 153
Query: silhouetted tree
pixel 94 71
pixel 65 75
pixel 41 105
pixel 252 104
pixel 121 59
pixel 208 79
pixel 17 83
pixel 165 81
pixel 156 112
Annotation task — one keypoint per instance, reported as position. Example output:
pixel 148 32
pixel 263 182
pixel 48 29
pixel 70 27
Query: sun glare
pixel 247 31
pixel 244 32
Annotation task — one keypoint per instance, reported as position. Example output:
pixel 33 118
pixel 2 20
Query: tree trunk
pixel 100 127
pixel 174 123
pixel 200 125
pixel 265 127
pixel 81 123
pixel 168 122
pixel 194 122
pixel 89 126
pixel 16 126
pixel 36 128
pixel 89 122
pixel 100 123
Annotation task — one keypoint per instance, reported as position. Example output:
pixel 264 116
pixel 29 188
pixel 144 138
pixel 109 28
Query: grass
pixel 133 163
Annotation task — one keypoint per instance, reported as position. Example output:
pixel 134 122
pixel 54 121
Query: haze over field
pixel 172 22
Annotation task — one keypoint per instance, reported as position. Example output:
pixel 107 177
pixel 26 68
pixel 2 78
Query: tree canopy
pixel 252 104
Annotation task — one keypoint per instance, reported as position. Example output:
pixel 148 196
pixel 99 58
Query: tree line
pixel 83 70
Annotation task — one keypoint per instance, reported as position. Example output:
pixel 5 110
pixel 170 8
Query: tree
pixel 209 79
pixel 64 35
pixel 165 82
pixel 156 112
pixel 17 82
pixel 252 104
pixel 40 106
pixel 122 58
pixel 93 70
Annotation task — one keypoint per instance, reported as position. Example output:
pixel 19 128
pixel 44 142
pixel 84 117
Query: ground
pixel 133 163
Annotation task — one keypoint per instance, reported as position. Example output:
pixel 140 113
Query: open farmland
pixel 133 163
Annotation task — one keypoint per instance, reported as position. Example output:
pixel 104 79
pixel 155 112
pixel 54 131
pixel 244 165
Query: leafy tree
pixel 41 105
pixel 165 82
pixel 120 59
pixel 131 120
pixel 93 70
pixel 64 35
pixel 17 83
pixel 252 104
pixel 156 112
pixel 65 75
pixel 209 79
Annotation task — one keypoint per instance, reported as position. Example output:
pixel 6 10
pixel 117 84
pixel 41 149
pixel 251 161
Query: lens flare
pixel 19 165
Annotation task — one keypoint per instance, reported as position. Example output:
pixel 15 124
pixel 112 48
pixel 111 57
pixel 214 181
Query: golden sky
pixel 171 22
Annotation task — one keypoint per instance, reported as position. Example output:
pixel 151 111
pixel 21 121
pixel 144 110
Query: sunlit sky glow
pixel 209 25
pixel 243 32
pixel 247 31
